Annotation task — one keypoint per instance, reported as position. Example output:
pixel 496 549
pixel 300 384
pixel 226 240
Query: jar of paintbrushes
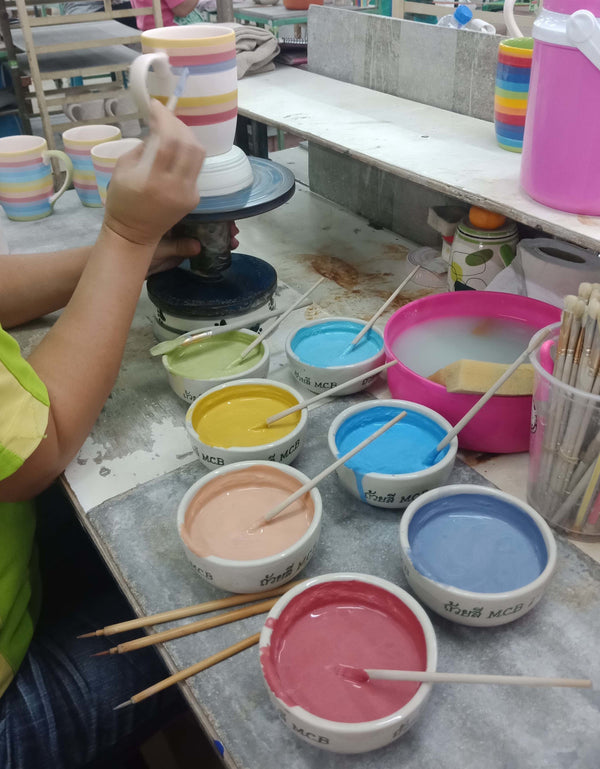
pixel 564 466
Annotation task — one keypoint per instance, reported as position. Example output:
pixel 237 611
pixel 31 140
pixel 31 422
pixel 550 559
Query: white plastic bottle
pixel 461 16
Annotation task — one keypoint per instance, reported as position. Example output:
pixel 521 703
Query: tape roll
pixel 553 268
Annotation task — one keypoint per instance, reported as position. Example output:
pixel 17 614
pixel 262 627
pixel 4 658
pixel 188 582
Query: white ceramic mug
pixel 104 160
pixel 209 101
pixel 78 143
pixel 85 110
pixel 124 105
pixel 26 185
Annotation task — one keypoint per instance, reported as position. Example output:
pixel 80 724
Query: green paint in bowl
pixel 210 358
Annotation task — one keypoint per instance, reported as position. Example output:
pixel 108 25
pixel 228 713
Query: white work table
pixel 451 153
pixel 128 478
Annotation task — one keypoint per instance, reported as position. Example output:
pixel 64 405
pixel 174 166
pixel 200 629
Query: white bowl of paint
pixel 228 423
pixel 476 555
pixel 397 467
pixel 346 619
pixel 217 520
pixel 195 368
pixel 321 356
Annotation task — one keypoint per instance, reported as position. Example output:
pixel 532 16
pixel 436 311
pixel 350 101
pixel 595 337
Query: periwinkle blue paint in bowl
pixel 476 555
pixel 476 543
pixel 327 344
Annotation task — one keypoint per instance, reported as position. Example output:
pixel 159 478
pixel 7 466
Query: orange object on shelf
pixel 485 220
pixel 300 5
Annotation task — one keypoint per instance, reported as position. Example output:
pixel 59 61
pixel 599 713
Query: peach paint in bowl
pixel 217 520
pixel 346 619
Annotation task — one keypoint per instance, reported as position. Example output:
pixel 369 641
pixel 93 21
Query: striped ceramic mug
pixel 104 159
pixel 512 91
pixel 26 184
pixel 78 143
pixel 209 101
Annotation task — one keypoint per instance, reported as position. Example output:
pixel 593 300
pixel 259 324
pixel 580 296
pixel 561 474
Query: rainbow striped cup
pixel 208 103
pixel 104 159
pixel 78 143
pixel 511 91
pixel 26 185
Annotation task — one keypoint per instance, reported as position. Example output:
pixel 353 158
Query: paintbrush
pixel 381 310
pixel 268 331
pixel 191 670
pixel 327 393
pixel 357 675
pixel 194 627
pixel 153 142
pixel 533 345
pixel 190 611
pixel 162 348
pixel 324 473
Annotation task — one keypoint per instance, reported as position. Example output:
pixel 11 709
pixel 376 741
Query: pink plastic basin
pixel 502 425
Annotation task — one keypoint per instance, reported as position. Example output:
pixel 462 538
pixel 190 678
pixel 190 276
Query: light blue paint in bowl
pixel 327 344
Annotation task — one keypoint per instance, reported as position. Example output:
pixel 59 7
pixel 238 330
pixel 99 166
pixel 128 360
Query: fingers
pixel 178 152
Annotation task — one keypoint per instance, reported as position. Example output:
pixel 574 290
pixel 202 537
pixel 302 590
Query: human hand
pixel 154 185
pixel 172 251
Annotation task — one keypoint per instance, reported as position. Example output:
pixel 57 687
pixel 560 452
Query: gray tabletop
pixel 462 726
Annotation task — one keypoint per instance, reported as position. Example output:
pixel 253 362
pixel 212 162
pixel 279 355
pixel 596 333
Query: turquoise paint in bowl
pixel 321 355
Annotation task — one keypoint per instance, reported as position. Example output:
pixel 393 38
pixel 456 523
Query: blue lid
pixel 463 14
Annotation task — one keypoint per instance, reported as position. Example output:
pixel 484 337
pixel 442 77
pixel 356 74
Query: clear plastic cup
pixel 564 450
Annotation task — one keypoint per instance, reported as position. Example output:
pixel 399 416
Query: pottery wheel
pixel 273 185
pixel 248 283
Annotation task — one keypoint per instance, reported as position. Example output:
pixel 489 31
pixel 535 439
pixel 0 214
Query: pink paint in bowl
pixel 502 425
pixel 346 619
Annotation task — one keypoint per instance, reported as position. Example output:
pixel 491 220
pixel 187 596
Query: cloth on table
pixel 256 48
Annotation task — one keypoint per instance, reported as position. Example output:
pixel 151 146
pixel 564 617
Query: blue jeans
pixel 59 710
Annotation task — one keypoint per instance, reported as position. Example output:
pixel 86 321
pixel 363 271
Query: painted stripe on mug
pixel 24 176
pixel 197 120
pixel 208 69
pixel 193 60
pixel 43 195
pixel 21 195
pixel 502 117
pixel 506 88
pixel 200 101
pixel 84 184
pixel 513 74
pixel 232 105
pixel 162 43
pixel 514 61
pixel 521 112
pixel 5 163
pixel 77 152
pixel 513 103
pixel 11 189
pixel 515 145
pixel 507 131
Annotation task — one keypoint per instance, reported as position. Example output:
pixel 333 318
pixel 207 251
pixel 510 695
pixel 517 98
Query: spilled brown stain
pixel 312 312
pixel 332 268
pixel 394 249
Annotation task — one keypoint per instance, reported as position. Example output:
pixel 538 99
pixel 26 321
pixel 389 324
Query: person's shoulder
pixel 24 407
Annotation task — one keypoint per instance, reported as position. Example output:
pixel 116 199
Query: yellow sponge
pixel 476 376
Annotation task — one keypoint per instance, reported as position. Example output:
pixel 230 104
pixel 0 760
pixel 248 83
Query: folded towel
pixel 256 48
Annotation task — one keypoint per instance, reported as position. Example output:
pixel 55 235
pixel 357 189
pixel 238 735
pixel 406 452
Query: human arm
pixel 182 9
pixel 35 284
pixel 79 358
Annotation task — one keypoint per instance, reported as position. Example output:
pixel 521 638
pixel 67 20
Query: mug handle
pixel 138 73
pixel 73 112
pixel 110 107
pixel 46 155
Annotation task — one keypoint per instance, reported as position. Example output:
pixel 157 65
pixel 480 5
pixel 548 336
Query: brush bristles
pixel 570 303
pixel 579 308
pixel 585 290
pixel 594 308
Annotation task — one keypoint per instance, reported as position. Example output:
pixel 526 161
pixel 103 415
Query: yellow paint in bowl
pixel 211 358
pixel 235 416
